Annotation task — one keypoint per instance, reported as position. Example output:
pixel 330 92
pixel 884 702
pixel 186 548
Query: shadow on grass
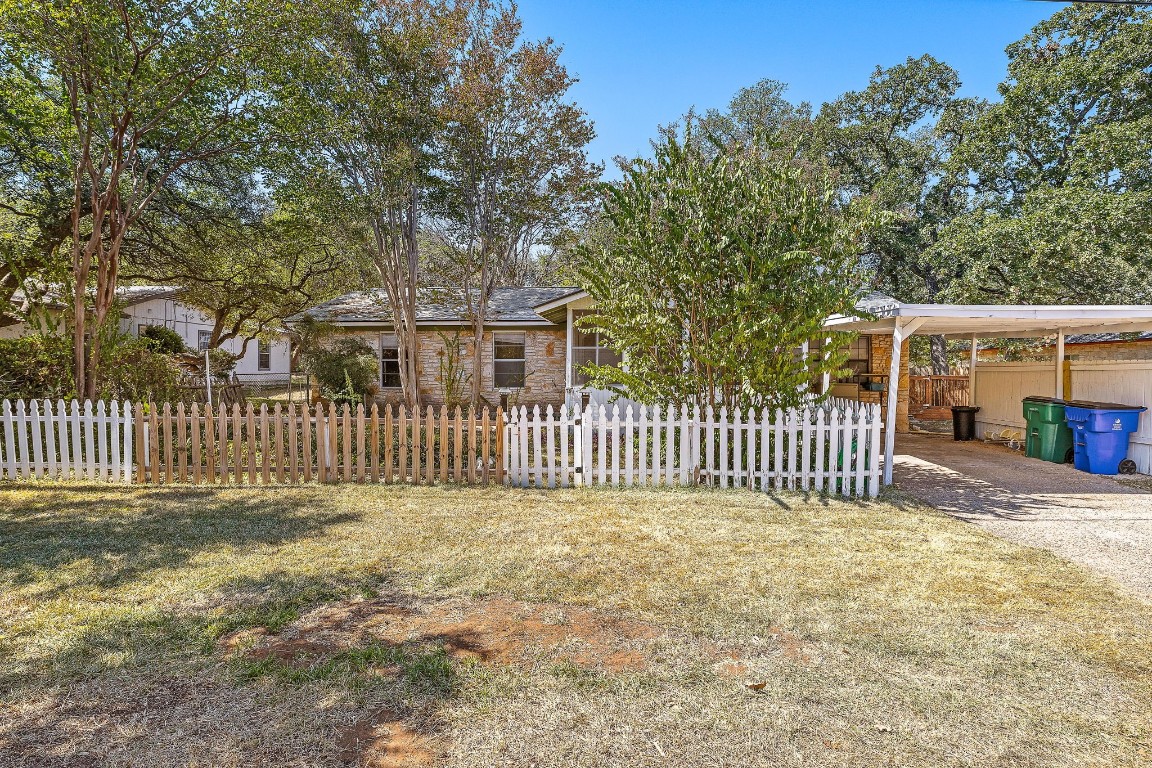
pixel 61 538
pixel 163 668
pixel 149 636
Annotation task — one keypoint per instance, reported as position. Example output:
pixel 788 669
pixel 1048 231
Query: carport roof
pixel 992 320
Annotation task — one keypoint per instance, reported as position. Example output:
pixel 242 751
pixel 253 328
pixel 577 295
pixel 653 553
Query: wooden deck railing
pixel 936 392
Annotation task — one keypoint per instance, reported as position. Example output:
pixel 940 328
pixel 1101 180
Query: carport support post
pixel 973 354
pixel 1060 364
pixel 901 331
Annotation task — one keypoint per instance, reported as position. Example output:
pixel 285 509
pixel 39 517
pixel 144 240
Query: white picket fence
pixel 832 447
pixel 66 441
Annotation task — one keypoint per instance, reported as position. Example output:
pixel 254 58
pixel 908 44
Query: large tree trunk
pixel 939 355
pixel 397 259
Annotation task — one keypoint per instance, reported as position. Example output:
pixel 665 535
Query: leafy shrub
pixel 345 369
pixel 222 363
pixel 36 366
pixel 162 339
pixel 132 370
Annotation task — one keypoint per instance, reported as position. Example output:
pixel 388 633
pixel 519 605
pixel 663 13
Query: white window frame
pixel 263 355
pixel 574 373
pixel 203 339
pixel 513 337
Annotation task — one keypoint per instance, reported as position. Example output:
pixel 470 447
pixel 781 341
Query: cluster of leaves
pixel 720 264
pixel 36 366
pixel 134 370
pixel 345 369
pixel 39 366
pixel 1041 197
pixel 162 339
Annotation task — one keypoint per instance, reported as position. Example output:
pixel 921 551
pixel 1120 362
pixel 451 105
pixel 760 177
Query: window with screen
pixel 508 360
pixel 203 339
pixel 389 363
pixel 588 348
pixel 264 356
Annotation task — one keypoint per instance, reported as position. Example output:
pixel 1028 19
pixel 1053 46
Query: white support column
pixel 973 357
pixel 902 330
pixel 826 379
pixel 1060 364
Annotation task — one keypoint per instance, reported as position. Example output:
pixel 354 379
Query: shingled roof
pixel 437 306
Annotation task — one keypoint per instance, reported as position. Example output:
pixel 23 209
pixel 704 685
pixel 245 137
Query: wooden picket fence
pixel 234 445
pixel 295 444
pixel 833 447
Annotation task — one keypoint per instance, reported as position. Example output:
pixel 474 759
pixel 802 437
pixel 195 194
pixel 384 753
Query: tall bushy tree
pixel 717 268
pixel 378 84
pixel 513 169
pixel 151 87
pixel 1061 168
pixel 891 142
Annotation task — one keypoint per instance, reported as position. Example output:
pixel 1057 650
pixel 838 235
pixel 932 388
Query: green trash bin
pixel 1048 435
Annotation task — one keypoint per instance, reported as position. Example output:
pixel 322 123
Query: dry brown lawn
pixel 396 627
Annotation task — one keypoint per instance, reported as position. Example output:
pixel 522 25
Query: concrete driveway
pixel 1096 521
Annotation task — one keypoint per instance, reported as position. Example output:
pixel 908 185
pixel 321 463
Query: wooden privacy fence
pixel 937 391
pixel 832 447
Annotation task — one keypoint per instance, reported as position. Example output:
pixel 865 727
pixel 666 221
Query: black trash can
pixel 964 422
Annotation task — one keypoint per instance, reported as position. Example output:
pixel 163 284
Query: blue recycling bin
pixel 1100 433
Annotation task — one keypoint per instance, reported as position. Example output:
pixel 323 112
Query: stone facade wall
pixel 881 362
pixel 545 366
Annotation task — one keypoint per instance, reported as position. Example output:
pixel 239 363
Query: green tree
pixel 758 109
pixel 151 88
pixel 513 165
pixel 1061 168
pixel 891 143
pixel 718 268
pixel 377 84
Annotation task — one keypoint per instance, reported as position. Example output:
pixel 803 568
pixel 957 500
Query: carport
pixel 885 315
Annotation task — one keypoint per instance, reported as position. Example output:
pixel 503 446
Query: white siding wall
pixel 1126 382
pixel 188 321
pixel 1000 389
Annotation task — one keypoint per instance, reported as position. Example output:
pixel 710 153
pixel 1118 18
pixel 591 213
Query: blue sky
pixel 644 62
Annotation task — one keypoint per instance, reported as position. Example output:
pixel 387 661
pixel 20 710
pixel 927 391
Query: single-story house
pixel 532 351
pixel 145 305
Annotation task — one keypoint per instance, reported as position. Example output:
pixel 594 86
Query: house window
pixel 264 356
pixel 389 363
pixel 203 340
pixel 588 347
pixel 140 330
pixel 859 359
pixel 508 360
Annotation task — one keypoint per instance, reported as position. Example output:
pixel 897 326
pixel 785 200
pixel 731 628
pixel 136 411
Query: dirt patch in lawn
pixel 383 740
pixel 491 631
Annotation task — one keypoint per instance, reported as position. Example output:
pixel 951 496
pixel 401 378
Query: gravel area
pixel 1093 520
